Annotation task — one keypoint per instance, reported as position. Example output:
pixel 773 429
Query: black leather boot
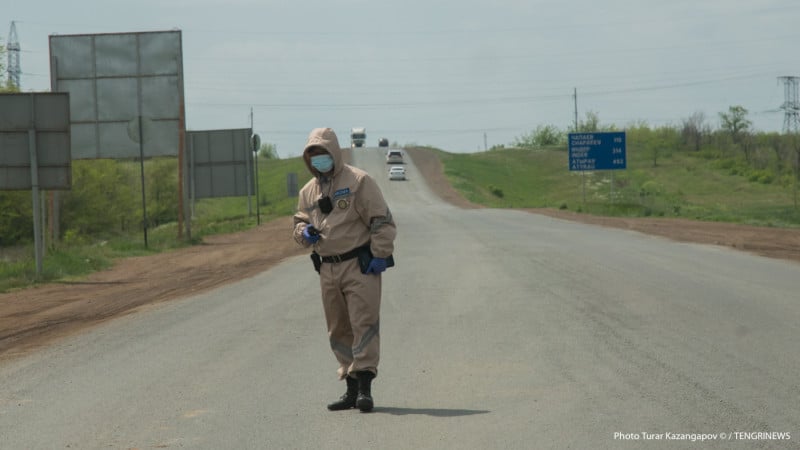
pixel 348 400
pixel 364 400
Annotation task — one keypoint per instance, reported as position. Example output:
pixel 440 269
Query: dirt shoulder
pixel 777 243
pixel 32 318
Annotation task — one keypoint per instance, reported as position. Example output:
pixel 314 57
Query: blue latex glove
pixel 310 234
pixel 376 266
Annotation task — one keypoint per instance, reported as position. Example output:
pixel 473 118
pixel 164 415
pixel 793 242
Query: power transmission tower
pixel 791 105
pixel 13 57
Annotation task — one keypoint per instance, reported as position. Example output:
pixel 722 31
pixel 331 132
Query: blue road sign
pixel 597 151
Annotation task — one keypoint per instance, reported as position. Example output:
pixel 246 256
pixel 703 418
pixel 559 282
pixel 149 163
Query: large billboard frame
pixel 128 98
pixel 116 81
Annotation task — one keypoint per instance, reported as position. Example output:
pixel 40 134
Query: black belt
pixel 343 257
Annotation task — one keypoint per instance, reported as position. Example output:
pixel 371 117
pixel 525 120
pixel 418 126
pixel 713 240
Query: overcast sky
pixel 446 73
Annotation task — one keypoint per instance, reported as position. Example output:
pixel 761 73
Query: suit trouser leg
pixel 351 301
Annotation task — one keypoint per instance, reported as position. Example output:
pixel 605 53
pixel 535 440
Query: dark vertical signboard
pixel 35 149
pixel 35 124
pixel 221 163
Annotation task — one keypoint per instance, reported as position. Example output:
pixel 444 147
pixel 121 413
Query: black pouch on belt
pixel 317 260
pixel 365 257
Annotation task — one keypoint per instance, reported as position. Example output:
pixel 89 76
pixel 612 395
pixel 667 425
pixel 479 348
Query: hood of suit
pixel 325 138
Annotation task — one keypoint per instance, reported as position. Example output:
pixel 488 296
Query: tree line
pixel 105 200
pixel 772 156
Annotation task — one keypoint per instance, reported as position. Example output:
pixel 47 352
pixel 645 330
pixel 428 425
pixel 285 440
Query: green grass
pixel 60 264
pixel 681 185
pixel 510 179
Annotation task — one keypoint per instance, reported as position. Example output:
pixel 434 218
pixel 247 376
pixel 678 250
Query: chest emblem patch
pixel 342 204
pixel 341 193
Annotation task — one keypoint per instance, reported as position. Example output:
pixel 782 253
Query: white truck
pixel 358 137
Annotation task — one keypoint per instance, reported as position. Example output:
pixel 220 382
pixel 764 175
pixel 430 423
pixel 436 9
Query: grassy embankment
pixel 694 186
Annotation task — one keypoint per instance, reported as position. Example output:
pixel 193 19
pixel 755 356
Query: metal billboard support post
pixel 247 175
pixel 55 199
pixel 258 202
pixel 188 180
pixel 43 208
pixel 37 232
pixel 181 165
pixel 192 169
pixel 141 165
pixel 255 142
pixel 182 162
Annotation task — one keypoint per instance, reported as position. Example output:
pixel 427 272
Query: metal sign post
pixel 256 139
pixel 141 166
pixel 37 226
pixel 248 172
pixel 136 133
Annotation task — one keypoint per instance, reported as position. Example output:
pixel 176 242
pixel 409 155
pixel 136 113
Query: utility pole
pixel 583 173
pixel 791 123
pixel 13 49
pixel 575 96
pixel 255 142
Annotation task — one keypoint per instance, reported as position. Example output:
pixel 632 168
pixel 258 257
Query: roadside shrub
pixel 74 237
pixel 651 189
pixel 16 218
pixel 761 176
pixel 724 164
pixel 496 191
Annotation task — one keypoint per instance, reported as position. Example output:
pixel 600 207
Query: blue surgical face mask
pixel 323 163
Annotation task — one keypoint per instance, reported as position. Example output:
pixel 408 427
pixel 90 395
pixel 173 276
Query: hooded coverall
pixel 360 216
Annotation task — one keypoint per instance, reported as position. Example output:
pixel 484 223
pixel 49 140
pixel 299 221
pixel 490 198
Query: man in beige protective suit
pixel 342 214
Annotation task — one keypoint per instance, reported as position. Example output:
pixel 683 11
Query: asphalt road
pixel 499 329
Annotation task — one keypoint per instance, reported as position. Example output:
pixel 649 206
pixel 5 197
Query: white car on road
pixel 394 156
pixel 397 173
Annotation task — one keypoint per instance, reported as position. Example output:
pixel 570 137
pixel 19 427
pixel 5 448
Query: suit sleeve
pixel 376 216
